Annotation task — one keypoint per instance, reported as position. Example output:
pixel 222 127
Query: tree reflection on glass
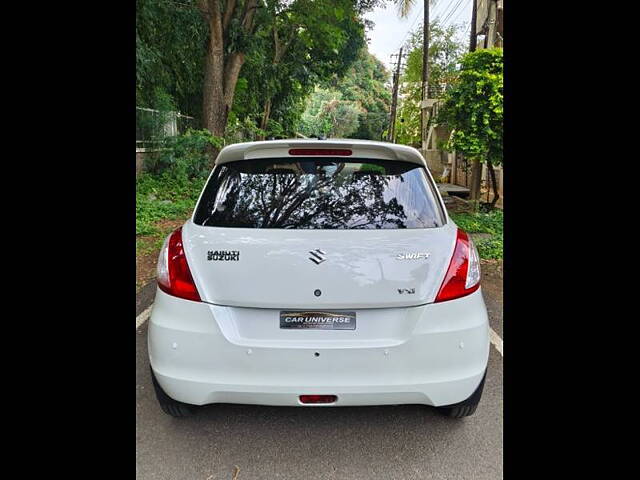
pixel 317 194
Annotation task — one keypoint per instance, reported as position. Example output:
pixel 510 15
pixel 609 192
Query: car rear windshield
pixel 312 193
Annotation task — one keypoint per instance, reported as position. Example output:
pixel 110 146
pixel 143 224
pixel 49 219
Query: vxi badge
pixel 413 256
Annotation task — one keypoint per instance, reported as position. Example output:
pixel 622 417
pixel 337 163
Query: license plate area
pixel 318 319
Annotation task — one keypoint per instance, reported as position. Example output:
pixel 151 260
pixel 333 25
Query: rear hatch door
pixel 325 232
pixel 318 268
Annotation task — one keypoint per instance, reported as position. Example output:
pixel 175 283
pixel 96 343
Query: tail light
pixel 463 275
pixel 318 399
pixel 174 276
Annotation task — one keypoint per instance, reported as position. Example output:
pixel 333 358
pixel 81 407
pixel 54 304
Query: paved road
pixel 403 442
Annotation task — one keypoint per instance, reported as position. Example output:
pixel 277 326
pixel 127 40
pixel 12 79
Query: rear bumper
pixel 434 355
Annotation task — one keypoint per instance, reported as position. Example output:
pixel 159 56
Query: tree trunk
pixel 492 173
pixel 221 74
pixel 213 106
pixel 231 73
pixel 279 49
pixel 265 117
pixel 476 178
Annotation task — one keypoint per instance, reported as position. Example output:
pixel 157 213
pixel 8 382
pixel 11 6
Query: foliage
pixel 297 45
pixel 327 114
pixel 170 48
pixel 241 130
pixel 342 116
pixel 366 84
pixel 319 38
pixel 445 51
pixel 473 107
pixel 171 186
pixel 185 156
pixel 491 223
pixel 355 105
pixel 160 197
pixel 404 7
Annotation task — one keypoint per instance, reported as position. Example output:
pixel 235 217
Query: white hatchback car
pixel 319 273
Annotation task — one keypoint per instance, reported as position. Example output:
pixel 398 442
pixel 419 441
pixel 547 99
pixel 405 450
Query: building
pixel 489 23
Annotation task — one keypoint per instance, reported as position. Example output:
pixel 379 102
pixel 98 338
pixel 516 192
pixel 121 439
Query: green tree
pixel 235 28
pixel 311 122
pixel 302 43
pixel 354 105
pixel 472 107
pixel 445 51
pixel 170 49
pixel 365 83
pixel 268 54
pixel 328 114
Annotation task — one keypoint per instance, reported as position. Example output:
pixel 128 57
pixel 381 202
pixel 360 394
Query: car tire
pixel 169 405
pixel 466 407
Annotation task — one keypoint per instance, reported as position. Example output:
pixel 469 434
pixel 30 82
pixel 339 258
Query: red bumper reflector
pixel 318 398
pixel 336 152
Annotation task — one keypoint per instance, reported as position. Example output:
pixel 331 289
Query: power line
pixel 461 11
pixel 443 11
pixel 452 11
pixel 411 27
pixel 435 4
pixel 448 15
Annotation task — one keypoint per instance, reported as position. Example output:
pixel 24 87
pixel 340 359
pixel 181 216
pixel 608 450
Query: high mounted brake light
pixel 335 152
pixel 174 275
pixel 463 274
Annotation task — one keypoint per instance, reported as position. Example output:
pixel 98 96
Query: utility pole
pixel 391 136
pixel 474 35
pixel 424 117
pixel 476 167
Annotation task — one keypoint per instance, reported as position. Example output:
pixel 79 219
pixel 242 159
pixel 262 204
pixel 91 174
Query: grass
pixel 491 223
pixel 163 198
pixel 150 244
pixel 160 198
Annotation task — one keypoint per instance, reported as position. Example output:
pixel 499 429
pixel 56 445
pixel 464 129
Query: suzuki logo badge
pixel 317 256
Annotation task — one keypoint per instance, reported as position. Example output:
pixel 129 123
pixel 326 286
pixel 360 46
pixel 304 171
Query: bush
pixel 473 107
pixel 242 131
pixel 186 156
pixel 170 187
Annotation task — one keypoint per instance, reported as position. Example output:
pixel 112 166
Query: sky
pixel 391 31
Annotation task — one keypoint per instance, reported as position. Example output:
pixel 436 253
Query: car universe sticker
pixel 336 320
